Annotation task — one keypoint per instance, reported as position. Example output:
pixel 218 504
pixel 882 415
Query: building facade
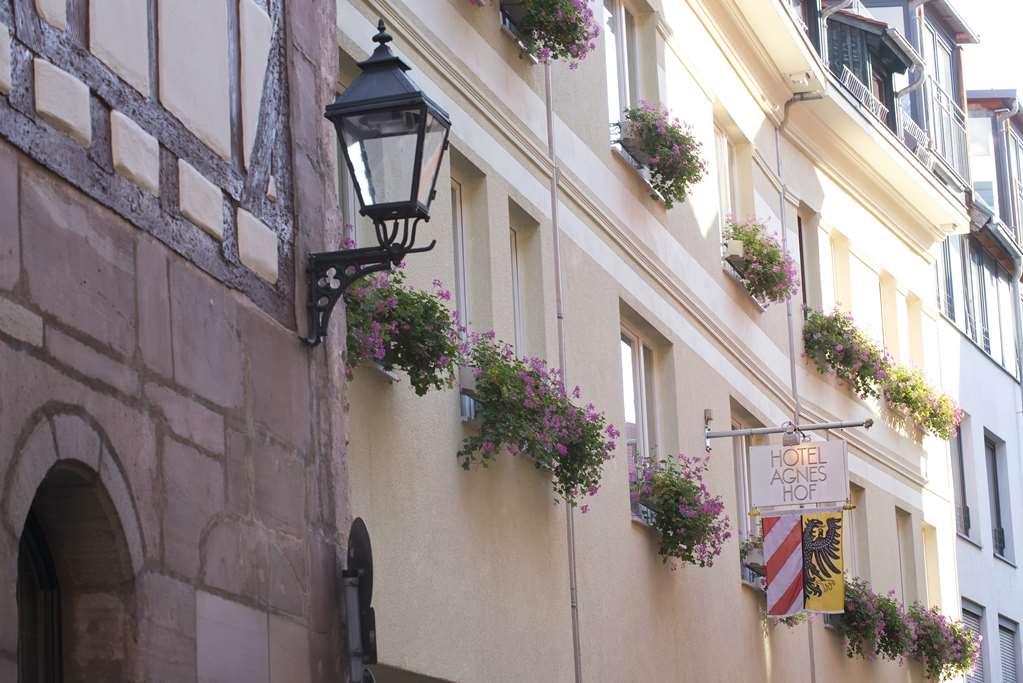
pixel 978 295
pixel 173 495
pixel 841 126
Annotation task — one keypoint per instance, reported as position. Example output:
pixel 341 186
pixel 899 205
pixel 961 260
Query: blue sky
pixel 997 62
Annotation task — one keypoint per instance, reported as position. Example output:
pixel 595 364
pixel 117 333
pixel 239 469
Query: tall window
pixel 973 618
pixel 467 407
pixel 1008 651
pixel 620 58
pixel 856 533
pixel 724 152
pixel 639 399
pixel 959 484
pixel 997 498
pixel 907 558
pixel 518 320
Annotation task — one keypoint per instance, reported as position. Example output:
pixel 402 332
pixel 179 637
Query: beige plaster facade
pixel 472 568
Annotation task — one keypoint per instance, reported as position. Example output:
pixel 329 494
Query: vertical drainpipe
pixel 789 315
pixel 559 309
pixel 1002 119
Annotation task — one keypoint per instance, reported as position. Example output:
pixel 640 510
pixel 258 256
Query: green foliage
pixel 691 522
pixel 872 624
pixel 674 152
pixel 557 29
pixel 523 408
pixel 947 649
pixel 401 327
pixel 768 273
pixel 835 345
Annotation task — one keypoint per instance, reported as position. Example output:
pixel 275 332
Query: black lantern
pixel 393 138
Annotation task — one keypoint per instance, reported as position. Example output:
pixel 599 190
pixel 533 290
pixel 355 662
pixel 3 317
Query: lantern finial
pixel 382 36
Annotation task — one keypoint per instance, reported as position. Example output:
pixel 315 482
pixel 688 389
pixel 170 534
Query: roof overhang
pixel 950 16
pixel 788 47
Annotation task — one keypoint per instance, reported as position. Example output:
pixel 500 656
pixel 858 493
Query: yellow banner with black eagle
pixel 823 563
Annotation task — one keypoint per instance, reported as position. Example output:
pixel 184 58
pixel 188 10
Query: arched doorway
pixel 76 600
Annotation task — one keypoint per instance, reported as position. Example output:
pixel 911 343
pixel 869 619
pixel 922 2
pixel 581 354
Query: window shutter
pixel 1007 643
pixel 972 622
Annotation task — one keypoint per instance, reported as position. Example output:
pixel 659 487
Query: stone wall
pixel 149 333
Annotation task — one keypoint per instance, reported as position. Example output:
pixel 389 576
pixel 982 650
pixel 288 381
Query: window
pixel 932 571
pixel 638 396
pixel 856 533
pixel 907 558
pixel 620 58
pixel 1007 649
pixel 724 152
pixel 519 330
pixel 973 618
pixel 997 497
pixel 1016 179
pixel 959 484
pixel 745 526
pixel 865 291
pixel 466 406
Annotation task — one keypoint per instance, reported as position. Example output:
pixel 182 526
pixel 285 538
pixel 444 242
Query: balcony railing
pixel 863 94
pixel 948 129
pixel 913 136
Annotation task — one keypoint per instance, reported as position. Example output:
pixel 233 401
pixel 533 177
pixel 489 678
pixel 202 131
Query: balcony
pixel 863 94
pixel 948 130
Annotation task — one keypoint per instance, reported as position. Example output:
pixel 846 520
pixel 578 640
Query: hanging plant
pixel 400 327
pixel 872 624
pixel 947 649
pixel 835 345
pixel 523 408
pixel 768 273
pixel 552 29
pixel 906 391
pixel 666 147
pixel 692 523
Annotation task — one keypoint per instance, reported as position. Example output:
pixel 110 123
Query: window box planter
pixel 630 137
pixel 735 255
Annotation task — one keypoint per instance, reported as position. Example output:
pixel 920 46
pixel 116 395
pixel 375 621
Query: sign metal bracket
pixel 790 430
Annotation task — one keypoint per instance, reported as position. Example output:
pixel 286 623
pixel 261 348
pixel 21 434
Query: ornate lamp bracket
pixel 330 273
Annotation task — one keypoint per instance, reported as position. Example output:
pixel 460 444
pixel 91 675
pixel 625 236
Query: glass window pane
pixel 433 150
pixel 382 148
pixel 611 38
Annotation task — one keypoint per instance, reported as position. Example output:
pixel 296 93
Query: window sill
pixel 381 372
pixel 967 539
pixel 1002 558
pixel 731 272
pixel 637 168
pixel 510 30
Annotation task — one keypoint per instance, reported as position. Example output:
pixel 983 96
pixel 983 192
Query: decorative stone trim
pixel 136 153
pixel 5 59
pixel 255 33
pixel 200 200
pixel 257 246
pixel 20 323
pixel 63 101
pixel 54 12
pixel 119 36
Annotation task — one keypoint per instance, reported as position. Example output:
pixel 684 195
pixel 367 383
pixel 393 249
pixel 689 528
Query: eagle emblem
pixel 821 553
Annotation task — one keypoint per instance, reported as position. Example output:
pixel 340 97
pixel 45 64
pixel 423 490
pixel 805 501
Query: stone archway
pixel 79 549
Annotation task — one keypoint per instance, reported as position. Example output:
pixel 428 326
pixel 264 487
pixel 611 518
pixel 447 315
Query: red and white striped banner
pixel 783 553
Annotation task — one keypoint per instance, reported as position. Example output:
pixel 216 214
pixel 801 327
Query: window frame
pixel 960 500
pixel 624 33
pixel 1006 625
pixel 467 405
pixel 518 307
pixel 644 388
pixel 1001 541
pixel 972 609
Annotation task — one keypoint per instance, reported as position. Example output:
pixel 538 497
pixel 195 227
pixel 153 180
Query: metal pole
pixel 562 363
pixel 789 428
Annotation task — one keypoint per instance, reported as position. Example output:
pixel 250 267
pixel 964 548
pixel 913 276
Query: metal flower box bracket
pixel 631 139
pixel 735 255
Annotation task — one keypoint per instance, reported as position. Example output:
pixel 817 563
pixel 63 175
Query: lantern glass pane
pixel 433 150
pixel 381 146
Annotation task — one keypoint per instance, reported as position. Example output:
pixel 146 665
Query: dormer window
pixel 866 54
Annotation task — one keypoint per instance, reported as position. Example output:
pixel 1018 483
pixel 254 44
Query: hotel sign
pixel 804 474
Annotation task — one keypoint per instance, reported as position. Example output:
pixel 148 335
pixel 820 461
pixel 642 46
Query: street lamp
pixel 393 138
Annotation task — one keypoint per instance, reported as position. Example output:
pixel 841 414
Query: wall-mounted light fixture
pixel 393 138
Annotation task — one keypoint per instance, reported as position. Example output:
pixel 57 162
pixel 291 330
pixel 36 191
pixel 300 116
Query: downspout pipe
pixel 825 15
pixel 789 315
pixel 559 307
